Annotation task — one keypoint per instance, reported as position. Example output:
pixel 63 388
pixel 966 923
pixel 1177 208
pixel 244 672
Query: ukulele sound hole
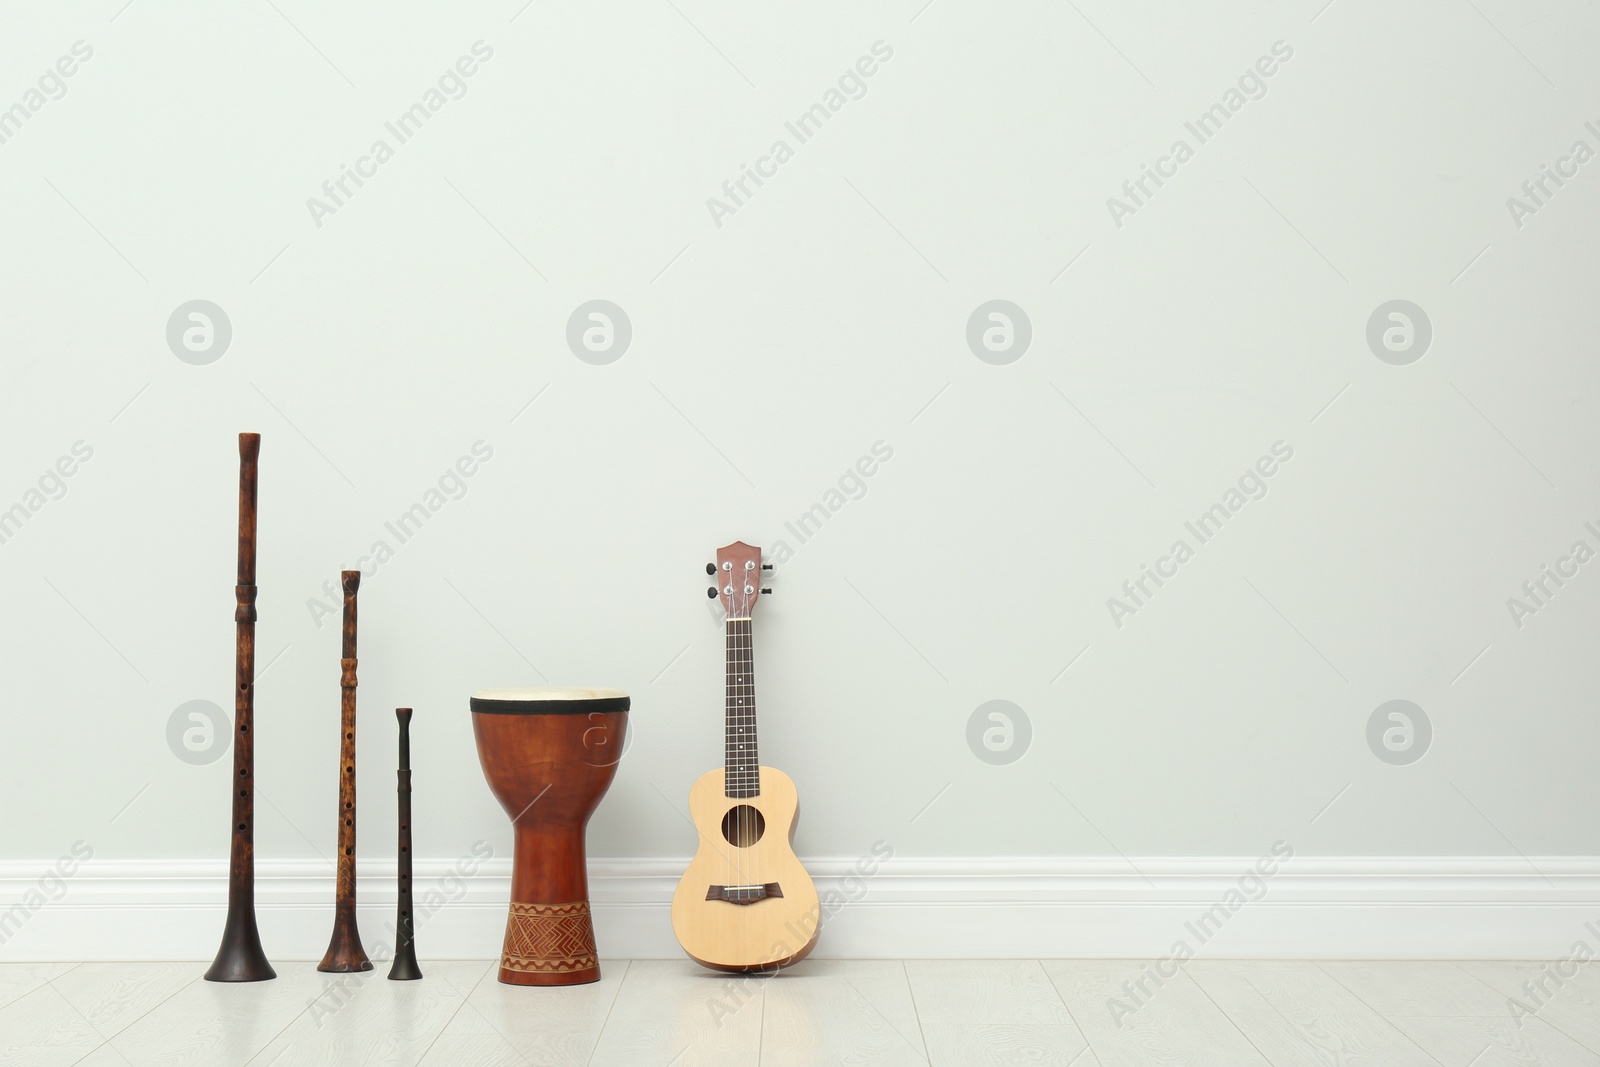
pixel 743 825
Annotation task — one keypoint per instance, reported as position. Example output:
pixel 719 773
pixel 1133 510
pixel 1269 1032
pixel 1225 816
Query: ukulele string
pixel 732 694
pixel 738 668
pixel 744 715
pixel 738 756
pixel 753 813
pixel 750 714
pixel 744 762
pixel 738 749
pixel 746 720
pixel 734 602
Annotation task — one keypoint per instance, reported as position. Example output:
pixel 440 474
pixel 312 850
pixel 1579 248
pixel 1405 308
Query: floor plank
pixel 841 1012
pixel 114 995
pixel 1136 1016
pixel 1295 1015
pixel 1570 1003
pixel 938 1012
pixel 993 1011
pixel 675 1011
pixel 1490 1042
pixel 41 1029
pixel 20 979
pixel 214 1024
pixel 367 1019
pixel 1404 987
pixel 543 1025
pixel 489 1050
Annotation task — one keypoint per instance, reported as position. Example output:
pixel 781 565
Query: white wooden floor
pixel 826 1012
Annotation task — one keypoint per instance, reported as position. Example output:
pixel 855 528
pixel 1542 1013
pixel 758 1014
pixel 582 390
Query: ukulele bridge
pixel 744 894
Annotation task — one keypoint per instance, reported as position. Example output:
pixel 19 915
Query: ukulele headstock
pixel 738 578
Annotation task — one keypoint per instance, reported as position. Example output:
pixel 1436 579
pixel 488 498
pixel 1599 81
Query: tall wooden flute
pixel 344 948
pixel 240 958
pixel 404 968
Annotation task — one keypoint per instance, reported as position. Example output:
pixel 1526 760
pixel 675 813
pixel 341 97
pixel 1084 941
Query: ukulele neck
pixel 743 764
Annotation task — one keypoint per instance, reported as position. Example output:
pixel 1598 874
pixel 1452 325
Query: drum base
pixel 583 977
pixel 549 944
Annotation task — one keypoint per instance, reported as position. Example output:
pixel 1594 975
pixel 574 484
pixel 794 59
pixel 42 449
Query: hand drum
pixel 549 755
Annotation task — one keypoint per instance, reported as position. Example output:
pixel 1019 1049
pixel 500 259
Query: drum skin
pixel 549 771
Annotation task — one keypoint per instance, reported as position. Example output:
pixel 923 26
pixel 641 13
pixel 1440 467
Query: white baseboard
pixel 1313 907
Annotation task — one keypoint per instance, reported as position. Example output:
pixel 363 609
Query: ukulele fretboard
pixel 743 763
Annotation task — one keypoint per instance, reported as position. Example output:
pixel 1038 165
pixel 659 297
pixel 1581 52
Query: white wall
pixel 827 313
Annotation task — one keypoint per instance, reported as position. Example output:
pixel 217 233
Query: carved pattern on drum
pixel 549 938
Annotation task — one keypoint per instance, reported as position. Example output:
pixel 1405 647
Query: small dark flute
pixel 405 967
pixel 240 958
pixel 344 949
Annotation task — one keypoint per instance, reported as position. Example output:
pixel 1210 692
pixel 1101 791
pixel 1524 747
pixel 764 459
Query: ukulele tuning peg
pixel 711 568
pixel 766 566
pixel 766 592
pixel 711 593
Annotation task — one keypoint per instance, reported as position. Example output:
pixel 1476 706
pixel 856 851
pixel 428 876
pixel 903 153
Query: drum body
pixel 549 756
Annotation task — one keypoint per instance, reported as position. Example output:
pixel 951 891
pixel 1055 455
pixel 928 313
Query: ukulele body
pixel 745 903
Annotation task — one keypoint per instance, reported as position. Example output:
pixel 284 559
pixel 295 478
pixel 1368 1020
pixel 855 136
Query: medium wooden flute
pixel 344 948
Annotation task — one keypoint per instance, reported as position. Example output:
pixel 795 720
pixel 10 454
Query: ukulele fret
pixel 742 762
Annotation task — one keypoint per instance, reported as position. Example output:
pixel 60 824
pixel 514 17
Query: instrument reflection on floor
pixel 745 903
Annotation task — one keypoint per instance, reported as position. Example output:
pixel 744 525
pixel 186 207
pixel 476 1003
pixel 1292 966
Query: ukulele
pixel 745 903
